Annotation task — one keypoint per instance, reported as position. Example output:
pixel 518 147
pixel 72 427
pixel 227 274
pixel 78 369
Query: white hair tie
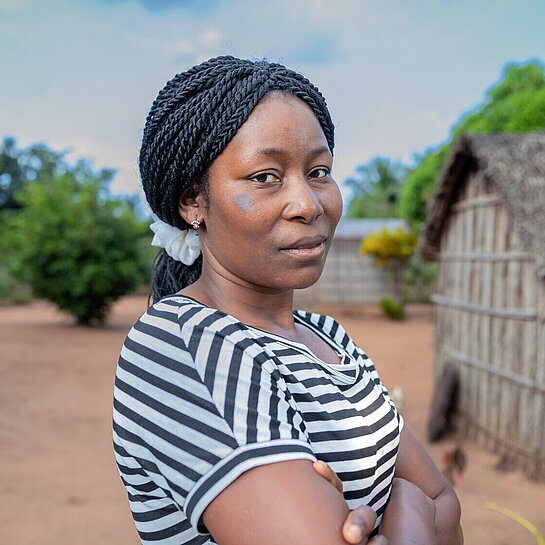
pixel 184 246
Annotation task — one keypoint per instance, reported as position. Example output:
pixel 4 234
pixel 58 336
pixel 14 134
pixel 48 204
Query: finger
pixel 327 473
pixel 359 524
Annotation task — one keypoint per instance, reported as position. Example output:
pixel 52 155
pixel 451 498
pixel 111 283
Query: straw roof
pixel 515 165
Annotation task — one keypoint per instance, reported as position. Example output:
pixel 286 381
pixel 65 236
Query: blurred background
pixel 404 81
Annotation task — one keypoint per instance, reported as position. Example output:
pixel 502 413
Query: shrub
pixel 12 291
pixel 389 245
pixel 391 250
pixel 74 244
pixel 392 309
pixel 419 279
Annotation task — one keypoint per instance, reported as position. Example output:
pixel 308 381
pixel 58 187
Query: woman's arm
pixel 285 503
pixel 414 465
pixel 409 518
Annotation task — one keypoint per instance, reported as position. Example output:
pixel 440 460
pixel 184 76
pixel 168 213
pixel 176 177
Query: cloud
pixel 196 7
pixel 104 154
pixel 190 50
pixel 328 13
pixel 321 51
pixel 181 48
pixel 199 7
pixel 13 6
pixel 210 37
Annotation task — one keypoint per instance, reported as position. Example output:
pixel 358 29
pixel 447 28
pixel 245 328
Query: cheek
pixel 244 203
pixel 334 204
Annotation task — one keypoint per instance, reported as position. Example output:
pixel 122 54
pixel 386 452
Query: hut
pixel 486 228
pixel 349 278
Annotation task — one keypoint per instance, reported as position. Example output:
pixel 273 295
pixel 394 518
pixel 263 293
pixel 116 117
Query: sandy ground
pixel 58 481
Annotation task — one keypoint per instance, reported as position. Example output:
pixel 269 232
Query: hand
pixel 360 522
pixel 410 515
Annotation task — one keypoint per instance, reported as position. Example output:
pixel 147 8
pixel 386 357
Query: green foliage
pixel 420 185
pixel 392 309
pixel 375 189
pixel 387 246
pixel 515 104
pixel 73 243
pixel 18 167
pixel 12 291
pixel 419 279
pixel 390 250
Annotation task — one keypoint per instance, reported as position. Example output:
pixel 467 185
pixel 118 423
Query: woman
pixel 236 419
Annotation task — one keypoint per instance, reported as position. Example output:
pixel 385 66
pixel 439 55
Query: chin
pixel 301 281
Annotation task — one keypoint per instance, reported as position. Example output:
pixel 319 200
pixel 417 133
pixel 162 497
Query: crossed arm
pixel 297 503
pixel 414 466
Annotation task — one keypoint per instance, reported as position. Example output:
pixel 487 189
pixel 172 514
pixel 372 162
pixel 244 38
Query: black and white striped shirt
pixel 200 398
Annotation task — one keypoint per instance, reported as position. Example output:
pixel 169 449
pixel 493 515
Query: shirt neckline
pixel 347 363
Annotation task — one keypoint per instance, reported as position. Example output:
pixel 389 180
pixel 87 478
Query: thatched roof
pixel 515 165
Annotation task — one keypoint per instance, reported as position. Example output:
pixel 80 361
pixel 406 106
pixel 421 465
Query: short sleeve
pixel 198 402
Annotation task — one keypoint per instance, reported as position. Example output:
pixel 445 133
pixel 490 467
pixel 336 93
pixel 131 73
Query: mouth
pixel 308 247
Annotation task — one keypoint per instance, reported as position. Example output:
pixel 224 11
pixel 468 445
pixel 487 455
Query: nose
pixel 302 201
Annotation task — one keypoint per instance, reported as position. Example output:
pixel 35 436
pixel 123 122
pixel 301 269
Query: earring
pixel 196 224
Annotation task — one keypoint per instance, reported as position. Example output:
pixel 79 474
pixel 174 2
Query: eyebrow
pixel 276 151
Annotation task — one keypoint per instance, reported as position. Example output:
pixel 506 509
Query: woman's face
pixel 272 204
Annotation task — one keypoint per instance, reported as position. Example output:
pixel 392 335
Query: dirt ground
pixel 58 481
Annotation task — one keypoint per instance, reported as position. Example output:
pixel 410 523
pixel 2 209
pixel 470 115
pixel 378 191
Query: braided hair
pixel 190 123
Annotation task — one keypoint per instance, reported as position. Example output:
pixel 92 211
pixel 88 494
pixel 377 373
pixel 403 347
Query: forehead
pixel 279 120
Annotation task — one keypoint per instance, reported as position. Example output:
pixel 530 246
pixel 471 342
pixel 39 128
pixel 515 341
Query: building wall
pixel 348 278
pixel 490 325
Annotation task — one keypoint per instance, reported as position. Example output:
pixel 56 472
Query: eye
pixel 265 178
pixel 321 172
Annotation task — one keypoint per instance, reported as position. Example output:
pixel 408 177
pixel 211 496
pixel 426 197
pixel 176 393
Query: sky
pixel 80 75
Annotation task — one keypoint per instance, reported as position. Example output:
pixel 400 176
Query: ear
pixel 190 205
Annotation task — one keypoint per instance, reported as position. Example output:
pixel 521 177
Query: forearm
pixel 415 465
pixel 410 516
pixel 447 518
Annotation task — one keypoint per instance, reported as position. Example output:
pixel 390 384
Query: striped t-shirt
pixel 201 397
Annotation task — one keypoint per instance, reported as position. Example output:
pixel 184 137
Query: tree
pixel 515 104
pixel 75 244
pixel 18 167
pixel 375 189
pixel 420 184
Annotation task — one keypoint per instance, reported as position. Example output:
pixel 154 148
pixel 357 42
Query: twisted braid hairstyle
pixel 190 122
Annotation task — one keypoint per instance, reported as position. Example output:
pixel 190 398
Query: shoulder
pixel 154 344
pixel 186 317
pixel 204 335
pixel 328 326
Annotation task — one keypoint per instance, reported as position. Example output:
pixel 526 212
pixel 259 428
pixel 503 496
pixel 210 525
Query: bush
pixel 390 251
pixel 419 279
pixel 12 291
pixel 74 244
pixel 392 309
pixel 386 245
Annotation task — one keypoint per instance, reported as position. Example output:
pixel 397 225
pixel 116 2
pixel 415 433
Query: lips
pixel 306 243
pixel 307 248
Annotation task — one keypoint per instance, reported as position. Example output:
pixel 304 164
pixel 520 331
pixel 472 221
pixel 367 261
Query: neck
pixel 265 308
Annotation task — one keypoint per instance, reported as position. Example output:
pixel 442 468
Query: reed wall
pixel 491 326
pixel 349 278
